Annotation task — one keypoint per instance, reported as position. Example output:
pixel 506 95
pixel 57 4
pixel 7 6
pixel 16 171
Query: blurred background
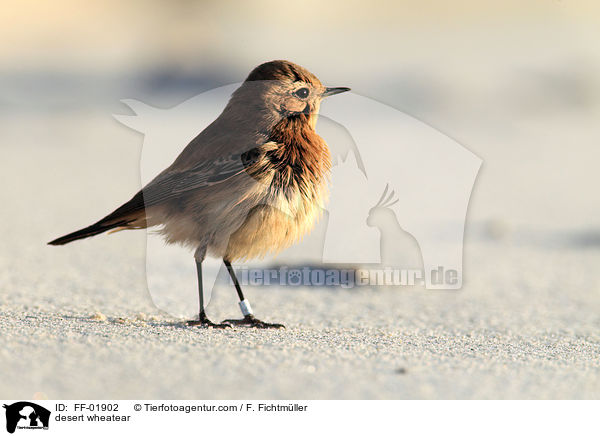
pixel 517 83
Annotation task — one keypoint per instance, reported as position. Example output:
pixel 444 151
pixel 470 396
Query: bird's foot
pixel 203 321
pixel 251 321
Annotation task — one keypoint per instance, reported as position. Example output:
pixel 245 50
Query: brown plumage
pixel 253 182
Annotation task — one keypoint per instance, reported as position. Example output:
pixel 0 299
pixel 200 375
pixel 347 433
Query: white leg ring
pixel 245 308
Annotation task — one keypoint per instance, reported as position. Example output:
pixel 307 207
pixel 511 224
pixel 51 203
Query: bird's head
pixel 282 89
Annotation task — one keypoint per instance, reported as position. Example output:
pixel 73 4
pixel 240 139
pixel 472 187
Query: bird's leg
pixel 203 320
pixel 248 319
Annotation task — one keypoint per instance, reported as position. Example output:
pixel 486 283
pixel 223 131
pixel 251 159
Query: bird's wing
pixel 171 184
pixel 218 153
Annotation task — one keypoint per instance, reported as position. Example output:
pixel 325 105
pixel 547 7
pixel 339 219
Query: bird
pixel 250 184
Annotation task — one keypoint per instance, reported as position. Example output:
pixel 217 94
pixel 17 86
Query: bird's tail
pixel 130 215
pixel 94 229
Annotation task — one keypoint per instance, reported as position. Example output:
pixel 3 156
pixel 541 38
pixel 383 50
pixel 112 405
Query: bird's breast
pixel 291 193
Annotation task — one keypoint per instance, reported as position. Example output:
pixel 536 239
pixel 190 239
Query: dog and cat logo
pixel 26 415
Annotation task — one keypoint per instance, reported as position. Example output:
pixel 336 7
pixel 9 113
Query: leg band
pixel 245 307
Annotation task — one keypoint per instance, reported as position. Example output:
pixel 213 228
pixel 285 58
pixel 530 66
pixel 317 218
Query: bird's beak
pixel 333 91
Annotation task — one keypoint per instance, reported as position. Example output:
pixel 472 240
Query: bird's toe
pixel 252 322
pixel 203 321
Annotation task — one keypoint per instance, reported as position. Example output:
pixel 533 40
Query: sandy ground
pixel 525 325
pixel 367 343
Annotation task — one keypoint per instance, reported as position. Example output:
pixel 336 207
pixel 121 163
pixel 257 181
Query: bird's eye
pixel 301 93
